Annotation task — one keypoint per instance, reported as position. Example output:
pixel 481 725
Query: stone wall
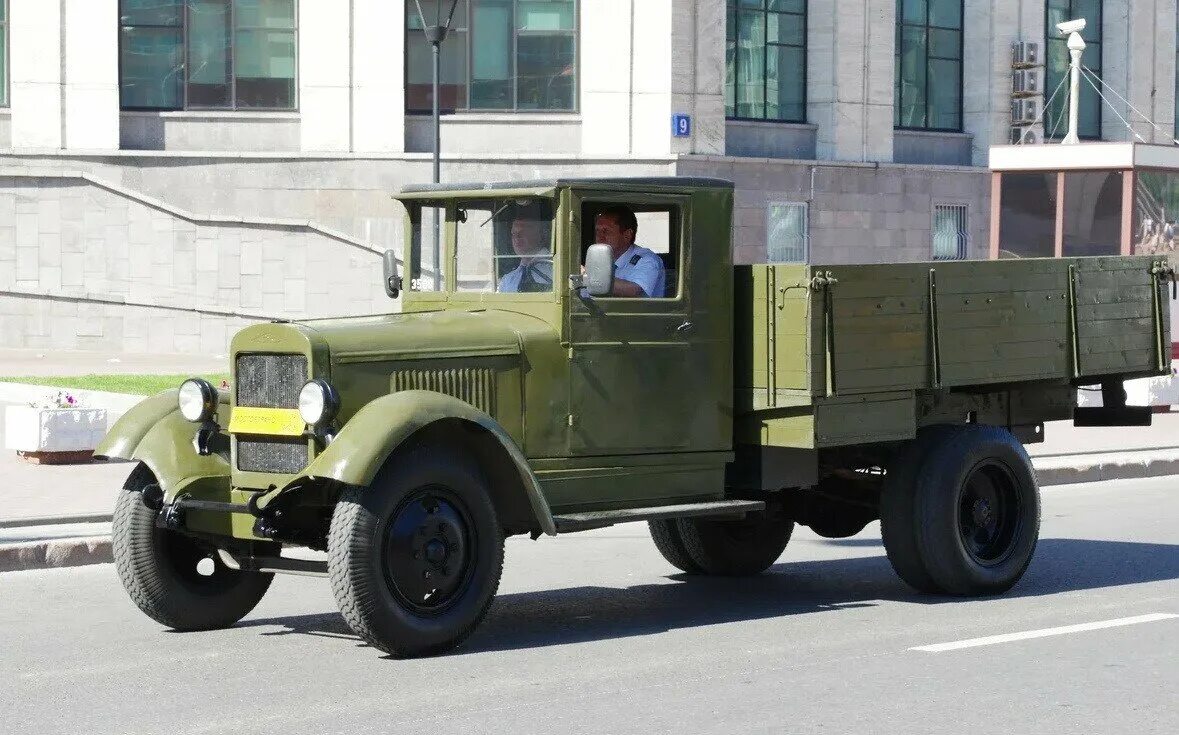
pixel 89 265
pixel 859 213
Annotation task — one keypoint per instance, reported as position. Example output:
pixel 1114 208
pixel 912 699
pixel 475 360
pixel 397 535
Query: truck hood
pixel 426 335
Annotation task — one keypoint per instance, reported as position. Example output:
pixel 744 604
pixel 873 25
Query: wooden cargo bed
pixel 811 341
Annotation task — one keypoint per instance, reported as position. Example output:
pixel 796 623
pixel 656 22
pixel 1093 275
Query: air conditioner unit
pixel 1025 136
pixel 1024 55
pixel 1025 82
pixel 1025 111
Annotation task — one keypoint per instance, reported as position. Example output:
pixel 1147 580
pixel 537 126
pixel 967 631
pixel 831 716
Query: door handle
pixel 685 328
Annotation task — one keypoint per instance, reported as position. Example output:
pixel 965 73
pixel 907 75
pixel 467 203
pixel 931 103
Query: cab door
pixel 642 379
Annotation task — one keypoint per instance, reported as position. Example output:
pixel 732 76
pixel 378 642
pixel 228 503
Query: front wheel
pixel 962 516
pixel 175 580
pixel 415 558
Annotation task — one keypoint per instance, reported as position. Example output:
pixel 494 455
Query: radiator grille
pixel 266 454
pixel 270 381
pixel 476 386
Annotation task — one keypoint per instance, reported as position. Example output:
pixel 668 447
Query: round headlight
pixel 198 400
pixel 318 402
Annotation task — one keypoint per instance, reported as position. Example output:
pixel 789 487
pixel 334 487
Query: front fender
pixel 369 437
pixel 154 433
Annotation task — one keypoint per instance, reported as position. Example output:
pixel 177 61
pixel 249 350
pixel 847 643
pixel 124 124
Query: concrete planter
pixel 1162 392
pixel 49 435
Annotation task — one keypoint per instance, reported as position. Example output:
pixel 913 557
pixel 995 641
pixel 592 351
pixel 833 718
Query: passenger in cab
pixel 534 273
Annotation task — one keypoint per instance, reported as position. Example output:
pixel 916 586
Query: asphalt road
pixel 594 633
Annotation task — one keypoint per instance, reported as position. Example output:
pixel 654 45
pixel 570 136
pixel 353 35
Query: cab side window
pixel 645 242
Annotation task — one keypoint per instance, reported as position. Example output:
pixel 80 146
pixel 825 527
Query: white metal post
pixel 1076 47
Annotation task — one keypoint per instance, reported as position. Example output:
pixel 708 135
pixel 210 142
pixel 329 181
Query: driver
pixel 535 270
pixel 638 272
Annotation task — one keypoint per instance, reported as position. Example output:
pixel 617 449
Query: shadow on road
pixel 578 614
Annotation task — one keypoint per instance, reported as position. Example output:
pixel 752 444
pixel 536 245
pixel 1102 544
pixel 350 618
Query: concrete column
pixel 607 70
pixel 36 43
pixel 630 90
pixel 1138 64
pixel 91 83
pixel 378 94
pixel 325 74
pixel 851 48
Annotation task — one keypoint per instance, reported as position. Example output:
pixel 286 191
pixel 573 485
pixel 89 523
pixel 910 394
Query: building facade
pixel 172 169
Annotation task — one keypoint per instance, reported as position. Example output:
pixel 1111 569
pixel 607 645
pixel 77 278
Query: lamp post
pixel 436 33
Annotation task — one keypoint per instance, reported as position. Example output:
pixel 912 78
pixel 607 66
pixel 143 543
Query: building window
pixel 1057 68
pixel 765 60
pixel 929 65
pixel 500 55
pixel 951 238
pixel 3 53
pixel 787 238
pixel 207 54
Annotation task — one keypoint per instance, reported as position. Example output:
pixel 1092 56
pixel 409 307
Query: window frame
pixel 736 7
pixel 964 232
pixel 515 109
pixel 1050 37
pixel 233 106
pixel 806 234
pixel 6 58
pixel 899 35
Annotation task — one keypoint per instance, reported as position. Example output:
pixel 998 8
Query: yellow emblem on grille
pixel 269 421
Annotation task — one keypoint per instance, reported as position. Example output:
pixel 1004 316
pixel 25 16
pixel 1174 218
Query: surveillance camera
pixel 1071 26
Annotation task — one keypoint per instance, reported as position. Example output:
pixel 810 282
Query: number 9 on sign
pixel 681 126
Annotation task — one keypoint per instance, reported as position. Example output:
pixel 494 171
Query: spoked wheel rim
pixel 429 545
pixel 989 513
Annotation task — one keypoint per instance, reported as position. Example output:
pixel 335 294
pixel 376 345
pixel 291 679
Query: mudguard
pixel 154 432
pixel 369 437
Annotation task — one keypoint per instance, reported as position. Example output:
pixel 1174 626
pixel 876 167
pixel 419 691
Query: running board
pixel 603 518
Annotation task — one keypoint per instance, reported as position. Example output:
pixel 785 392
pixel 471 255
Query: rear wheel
pixel 962 514
pixel 174 579
pixel 415 559
pixel 666 535
pixel 734 548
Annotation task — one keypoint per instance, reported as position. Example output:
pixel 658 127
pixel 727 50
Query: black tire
pixel 975 511
pixel 378 552
pixel 158 568
pixel 666 535
pixel 736 548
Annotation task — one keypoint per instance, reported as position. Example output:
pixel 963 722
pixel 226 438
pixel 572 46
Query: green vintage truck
pixel 515 393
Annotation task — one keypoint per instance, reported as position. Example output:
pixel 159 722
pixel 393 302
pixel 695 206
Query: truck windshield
pixel 504 245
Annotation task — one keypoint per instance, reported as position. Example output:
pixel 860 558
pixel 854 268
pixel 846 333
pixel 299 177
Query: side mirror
pixel 392 279
pixel 599 270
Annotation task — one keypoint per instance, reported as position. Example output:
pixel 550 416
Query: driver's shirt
pixel 539 277
pixel 643 268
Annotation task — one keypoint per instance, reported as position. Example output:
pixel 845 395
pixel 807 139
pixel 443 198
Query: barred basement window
pixel 787 238
pixel 950 234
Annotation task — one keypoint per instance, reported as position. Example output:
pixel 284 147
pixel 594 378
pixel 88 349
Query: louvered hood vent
pixel 476 386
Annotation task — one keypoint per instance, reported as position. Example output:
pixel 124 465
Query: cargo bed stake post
pixel 1160 273
pixel 823 282
pixel 1074 340
pixel 934 333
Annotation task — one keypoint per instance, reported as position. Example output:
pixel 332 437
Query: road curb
pixel 55 520
pixel 54 553
pixel 1116 467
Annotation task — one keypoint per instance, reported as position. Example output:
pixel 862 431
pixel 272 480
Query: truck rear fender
pixel 154 433
pixel 387 423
